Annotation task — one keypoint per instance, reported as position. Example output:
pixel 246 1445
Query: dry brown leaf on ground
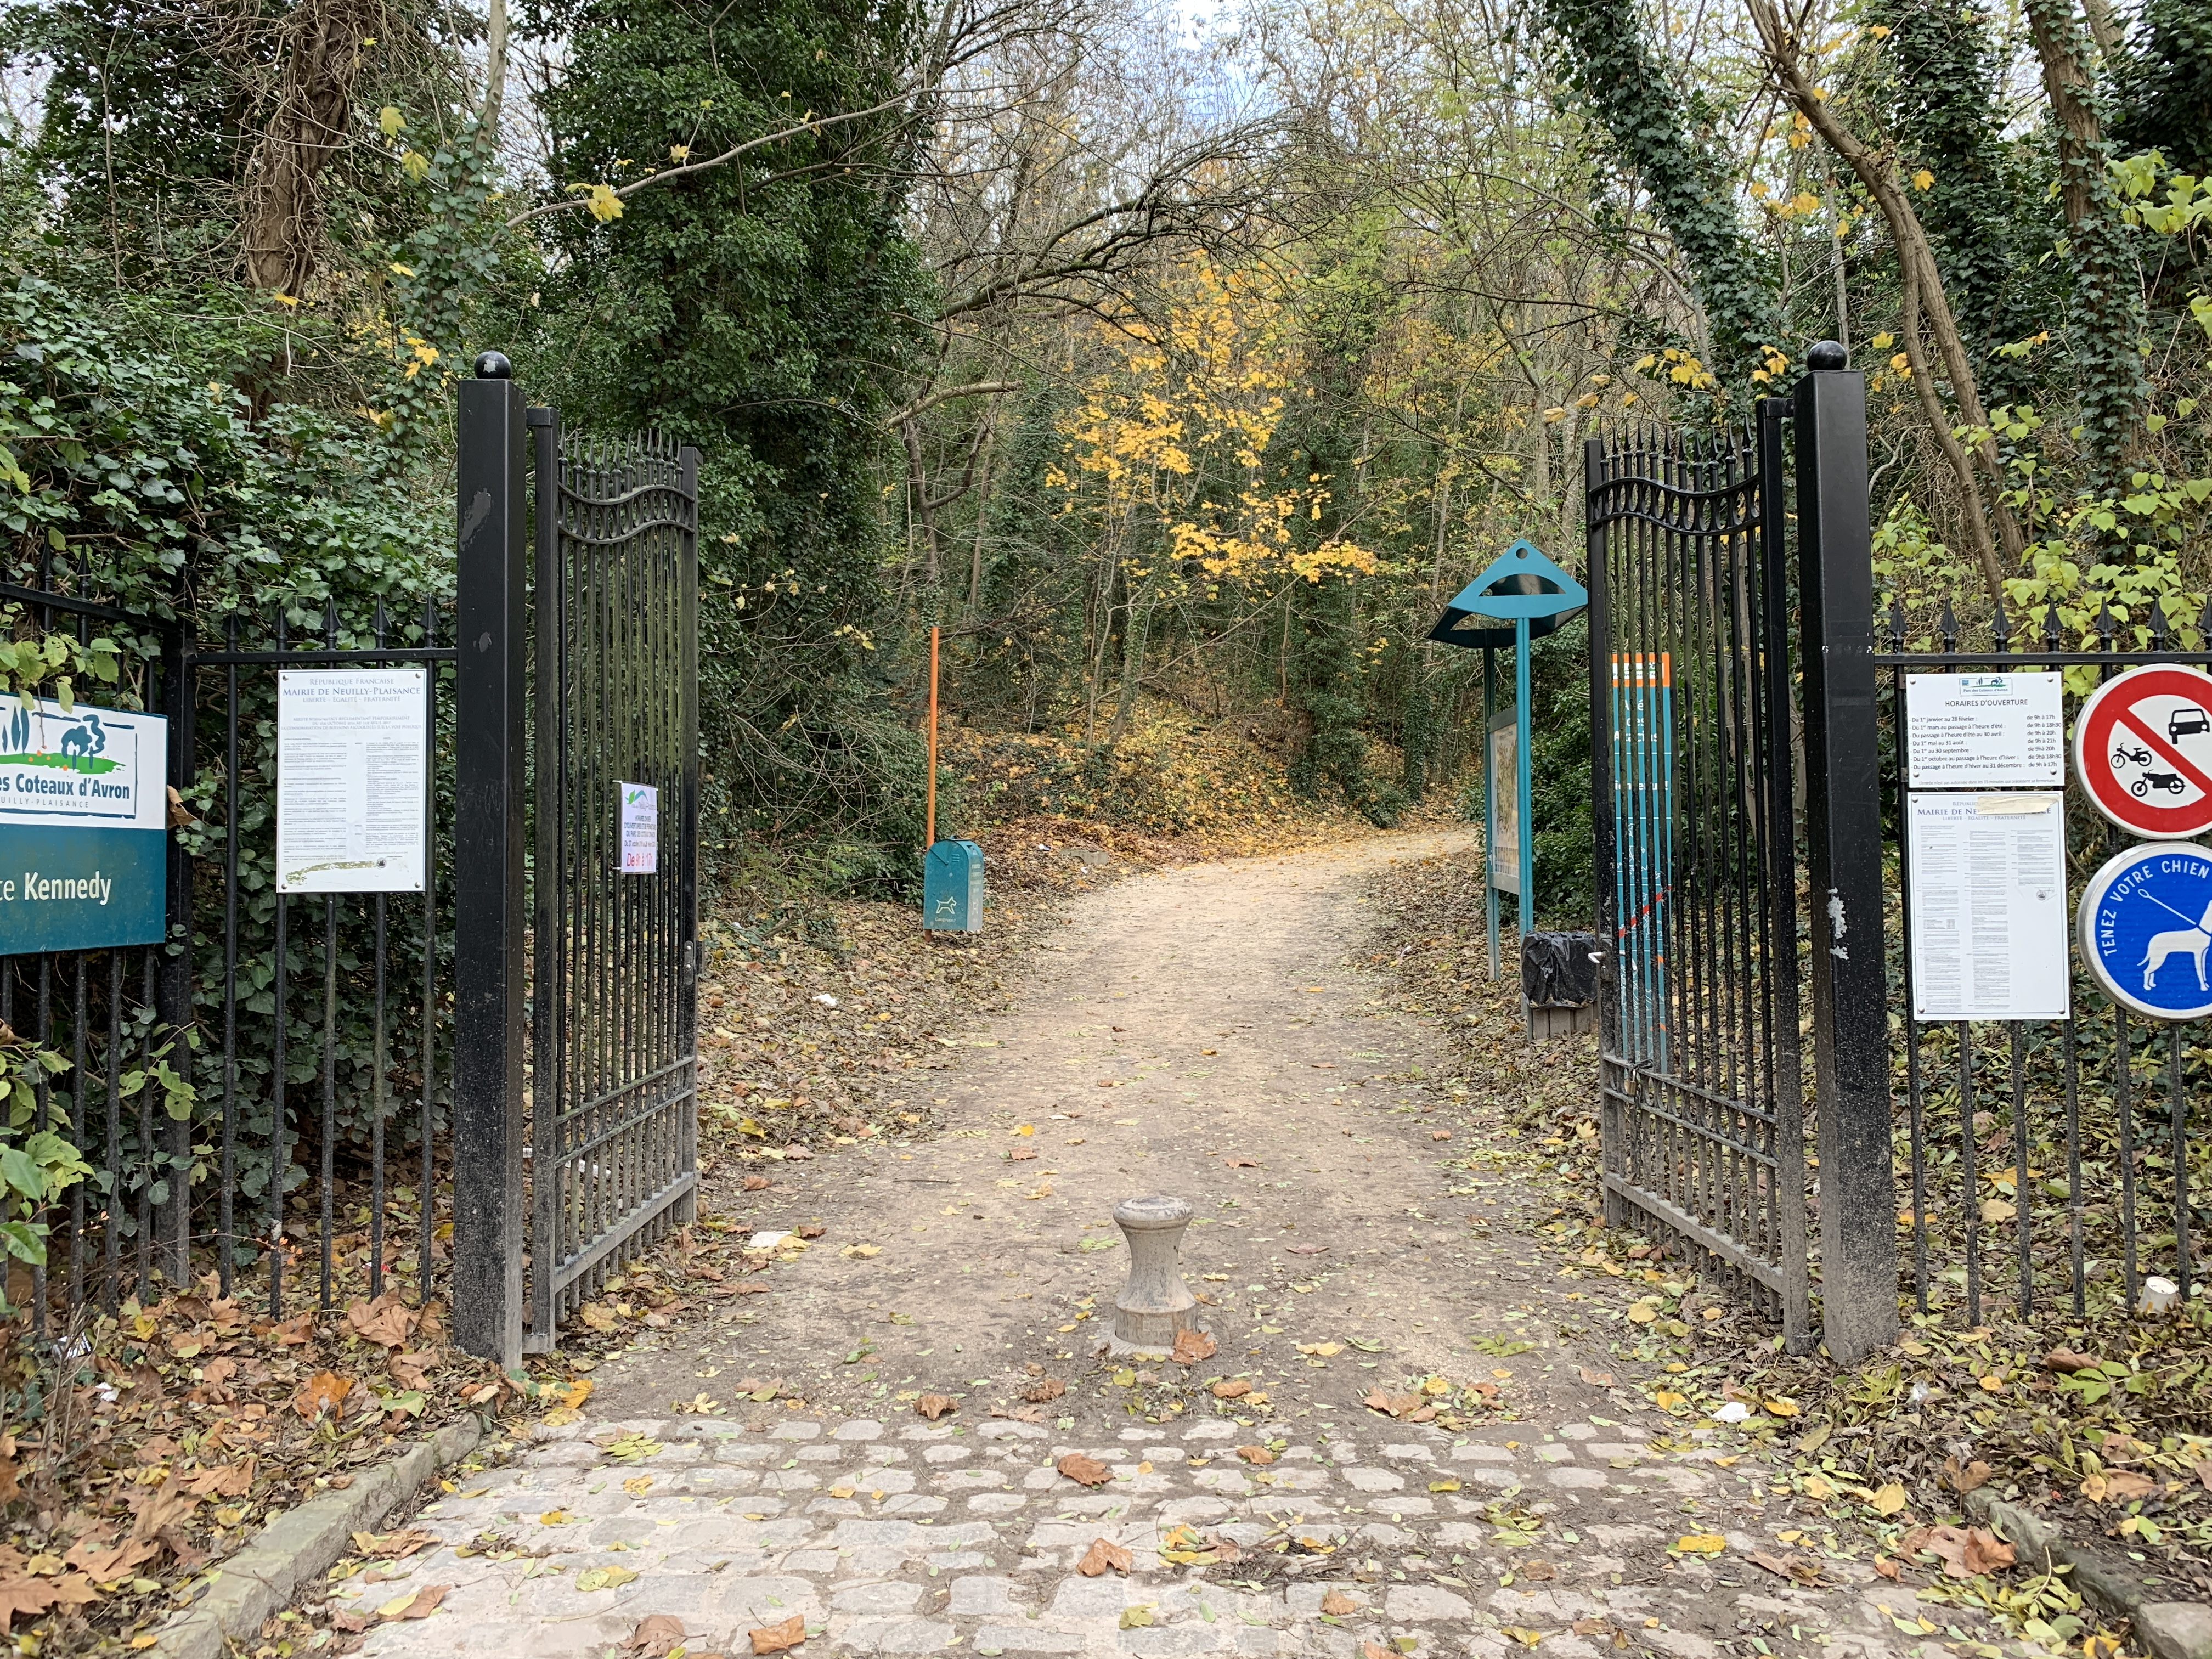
pixel 387 1321
pixel 231 1481
pixel 1234 1387
pixel 1018 1413
pixel 1240 1163
pixel 1965 1479
pixel 775 1638
pixel 392 1546
pixel 1375 1650
pixel 292 1333
pixel 2117 1487
pixel 103 1563
pixel 1597 1379
pixel 322 1394
pixel 1192 1345
pixel 346 1619
pixel 1104 1553
pixel 1044 1388
pixel 754 1184
pixel 2067 1361
pixel 1886 1567
pixel 934 1405
pixel 2203 1471
pixel 1020 1156
pixel 656 1633
pixel 1255 1454
pixel 161 1508
pixel 1986 1552
pixel 1306 1249
pixel 1228 1549
pixel 1539 1570
pixel 411 1371
pixel 1336 1604
pixel 36 1596
pixel 1083 1471
pixel 421 1605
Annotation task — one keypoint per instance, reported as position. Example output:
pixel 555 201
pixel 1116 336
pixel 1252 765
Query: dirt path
pixel 1193 1033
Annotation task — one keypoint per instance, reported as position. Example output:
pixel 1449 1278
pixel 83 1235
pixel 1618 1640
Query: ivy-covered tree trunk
pixel 1628 91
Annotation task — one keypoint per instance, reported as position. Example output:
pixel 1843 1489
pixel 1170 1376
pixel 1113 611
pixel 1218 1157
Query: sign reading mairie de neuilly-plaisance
pixel 83 827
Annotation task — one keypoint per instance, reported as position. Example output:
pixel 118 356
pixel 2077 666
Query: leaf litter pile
pixel 2102 1426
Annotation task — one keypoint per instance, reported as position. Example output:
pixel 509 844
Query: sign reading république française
pixel 83 827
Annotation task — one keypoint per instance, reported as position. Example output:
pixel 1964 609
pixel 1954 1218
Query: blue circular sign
pixel 2145 927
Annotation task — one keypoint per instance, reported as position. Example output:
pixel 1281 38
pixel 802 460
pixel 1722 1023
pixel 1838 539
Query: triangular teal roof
pixel 1493 593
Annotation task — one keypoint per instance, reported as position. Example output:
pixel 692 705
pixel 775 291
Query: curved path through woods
pixel 1196 1032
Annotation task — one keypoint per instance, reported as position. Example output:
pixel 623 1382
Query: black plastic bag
pixel 1559 971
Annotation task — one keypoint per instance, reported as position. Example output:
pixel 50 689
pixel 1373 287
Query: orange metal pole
pixel 929 829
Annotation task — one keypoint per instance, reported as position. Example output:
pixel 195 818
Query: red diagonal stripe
pixel 2159 746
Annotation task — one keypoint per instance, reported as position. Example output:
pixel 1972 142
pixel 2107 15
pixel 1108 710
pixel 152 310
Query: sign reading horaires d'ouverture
pixel 83 827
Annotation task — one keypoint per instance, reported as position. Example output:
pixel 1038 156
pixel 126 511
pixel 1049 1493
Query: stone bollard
pixel 1156 1304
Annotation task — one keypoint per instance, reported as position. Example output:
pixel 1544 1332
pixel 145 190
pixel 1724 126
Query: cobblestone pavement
pixel 908 1538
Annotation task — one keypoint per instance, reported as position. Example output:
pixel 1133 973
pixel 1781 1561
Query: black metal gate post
pixel 1858 1191
pixel 488 868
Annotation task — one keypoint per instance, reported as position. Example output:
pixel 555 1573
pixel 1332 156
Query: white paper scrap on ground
pixel 1984 730
pixel 353 788
pixel 1989 939
pixel 640 829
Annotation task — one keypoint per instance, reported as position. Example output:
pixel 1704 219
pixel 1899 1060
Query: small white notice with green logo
pixel 640 829
pixel 1984 730
pixel 353 785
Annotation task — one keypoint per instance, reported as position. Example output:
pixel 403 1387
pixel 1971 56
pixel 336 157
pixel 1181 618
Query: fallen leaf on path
pixel 757 1184
pixel 392 1546
pixel 1256 1454
pixel 1375 1650
pixel 1234 1387
pixel 1885 1567
pixel 2118 1486
pixel 1976 1473
pixel 1083 1471
pixel 655 1635
pixel 415 1604
pixel 1104 1554
pixel 1964 1552
pixel 2067 1361
pixel 934 1405
pixel 1019 1414
pixel 323 1393
pixel 1539 1570
pixel 1700 1543
pixel 1597 1379
pixel 1240 1163
pixel 387 1320
pixel 1020 1155
pixel 599 1578
pixel 104 1564
pixel 231 1481
pixel 1336 1604
pixel 37 1595
pixel 1044 1388
pixel 1440 1134
pixel 775 1638
pixel 1306 1249
pixel 1889 1498
pixel 1525 1637
pixel 1192 1345
pixel 1136 1618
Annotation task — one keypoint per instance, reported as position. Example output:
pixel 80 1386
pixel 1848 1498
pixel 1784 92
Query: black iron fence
pixel 2044 1160
pixel 314 1094
pixel 2048 1163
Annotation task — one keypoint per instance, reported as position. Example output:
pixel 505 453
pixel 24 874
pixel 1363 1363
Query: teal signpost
pixel 83 827
pixel 1523 587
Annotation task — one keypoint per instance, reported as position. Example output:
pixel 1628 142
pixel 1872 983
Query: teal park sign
pixel 1520 598
pixel 83 827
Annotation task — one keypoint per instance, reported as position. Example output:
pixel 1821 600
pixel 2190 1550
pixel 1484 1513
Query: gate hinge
pixel 690 960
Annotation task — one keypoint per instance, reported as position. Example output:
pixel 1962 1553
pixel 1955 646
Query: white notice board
pixel 1985 731
pixel 1989 938
pixel 353 795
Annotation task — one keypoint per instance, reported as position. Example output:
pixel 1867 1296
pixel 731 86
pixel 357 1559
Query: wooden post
pixel 929 826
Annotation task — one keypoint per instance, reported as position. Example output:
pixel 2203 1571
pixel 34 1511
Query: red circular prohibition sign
pixel 2143 748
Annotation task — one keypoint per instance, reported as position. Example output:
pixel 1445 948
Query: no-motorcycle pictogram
pixel 2143 748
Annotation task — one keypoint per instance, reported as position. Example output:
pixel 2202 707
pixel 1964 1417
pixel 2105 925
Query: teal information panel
pixel 83 827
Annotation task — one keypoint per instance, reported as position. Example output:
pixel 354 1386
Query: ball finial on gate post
pixel 494 366
pixel 1155 1306
pixel 1827 354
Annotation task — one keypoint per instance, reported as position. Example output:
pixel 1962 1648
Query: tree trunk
pixel 322 42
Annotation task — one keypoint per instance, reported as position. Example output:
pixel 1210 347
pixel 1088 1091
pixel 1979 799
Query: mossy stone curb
pixel 2170 1630
pixel 300 1544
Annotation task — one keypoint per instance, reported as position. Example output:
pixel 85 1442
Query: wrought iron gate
pixel 614 1102
pixel 1702 1069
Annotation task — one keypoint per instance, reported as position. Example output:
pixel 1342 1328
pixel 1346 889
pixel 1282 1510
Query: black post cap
pixel 1823 353
pixel 494 366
